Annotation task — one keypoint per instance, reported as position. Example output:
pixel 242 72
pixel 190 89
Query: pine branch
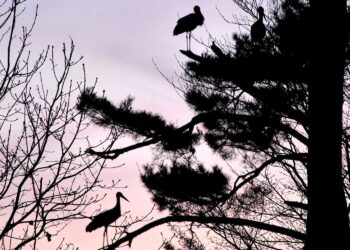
pixel 200 118
pixel 207 220
pixel 233 69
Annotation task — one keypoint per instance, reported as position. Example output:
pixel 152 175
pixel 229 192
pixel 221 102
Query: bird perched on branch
pixel 217 50
pixel 107 217
pixel 188 24
pixel 258 29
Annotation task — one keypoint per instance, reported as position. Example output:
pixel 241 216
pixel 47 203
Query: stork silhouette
pixel 188 24
pixel 258 30
pixel 107 217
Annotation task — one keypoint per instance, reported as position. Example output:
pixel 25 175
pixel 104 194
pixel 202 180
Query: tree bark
pixel 328 222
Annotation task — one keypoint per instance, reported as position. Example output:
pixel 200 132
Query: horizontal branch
pixel 112 154
pixel 296 204
pixel 207 220
pixel 200 118
pixel 191 55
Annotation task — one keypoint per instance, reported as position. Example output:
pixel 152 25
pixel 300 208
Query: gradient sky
pixel 119 39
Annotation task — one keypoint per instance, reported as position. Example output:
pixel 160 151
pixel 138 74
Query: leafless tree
pixel 46 178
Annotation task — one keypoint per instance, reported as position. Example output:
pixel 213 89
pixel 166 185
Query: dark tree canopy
pixel 174 186
pixel 136 123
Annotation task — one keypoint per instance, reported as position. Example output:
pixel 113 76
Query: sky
pixel 120 41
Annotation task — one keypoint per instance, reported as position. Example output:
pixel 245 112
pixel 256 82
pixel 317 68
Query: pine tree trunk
pixel 328 222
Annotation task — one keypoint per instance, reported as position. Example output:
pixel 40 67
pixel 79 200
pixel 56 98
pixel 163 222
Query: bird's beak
pixel 121 195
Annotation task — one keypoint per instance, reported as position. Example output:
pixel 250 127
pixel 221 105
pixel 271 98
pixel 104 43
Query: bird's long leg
pixel 103 241
pixel 189 41
pixel 107 235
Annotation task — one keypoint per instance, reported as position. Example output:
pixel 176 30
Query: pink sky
pixel 119 39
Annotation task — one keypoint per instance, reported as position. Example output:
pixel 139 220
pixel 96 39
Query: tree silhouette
pixel 327 203
pixel 46 179
pixel 278 103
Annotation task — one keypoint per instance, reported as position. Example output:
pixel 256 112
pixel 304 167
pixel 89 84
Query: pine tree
pixel 278 102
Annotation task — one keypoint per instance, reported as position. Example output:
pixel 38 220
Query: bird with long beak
pixel 188 24
pixel 105 218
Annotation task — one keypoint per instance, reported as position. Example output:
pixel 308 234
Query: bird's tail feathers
pixel 90 228
pixel 176 31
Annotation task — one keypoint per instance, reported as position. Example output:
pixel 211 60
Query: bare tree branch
pixel 207 220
